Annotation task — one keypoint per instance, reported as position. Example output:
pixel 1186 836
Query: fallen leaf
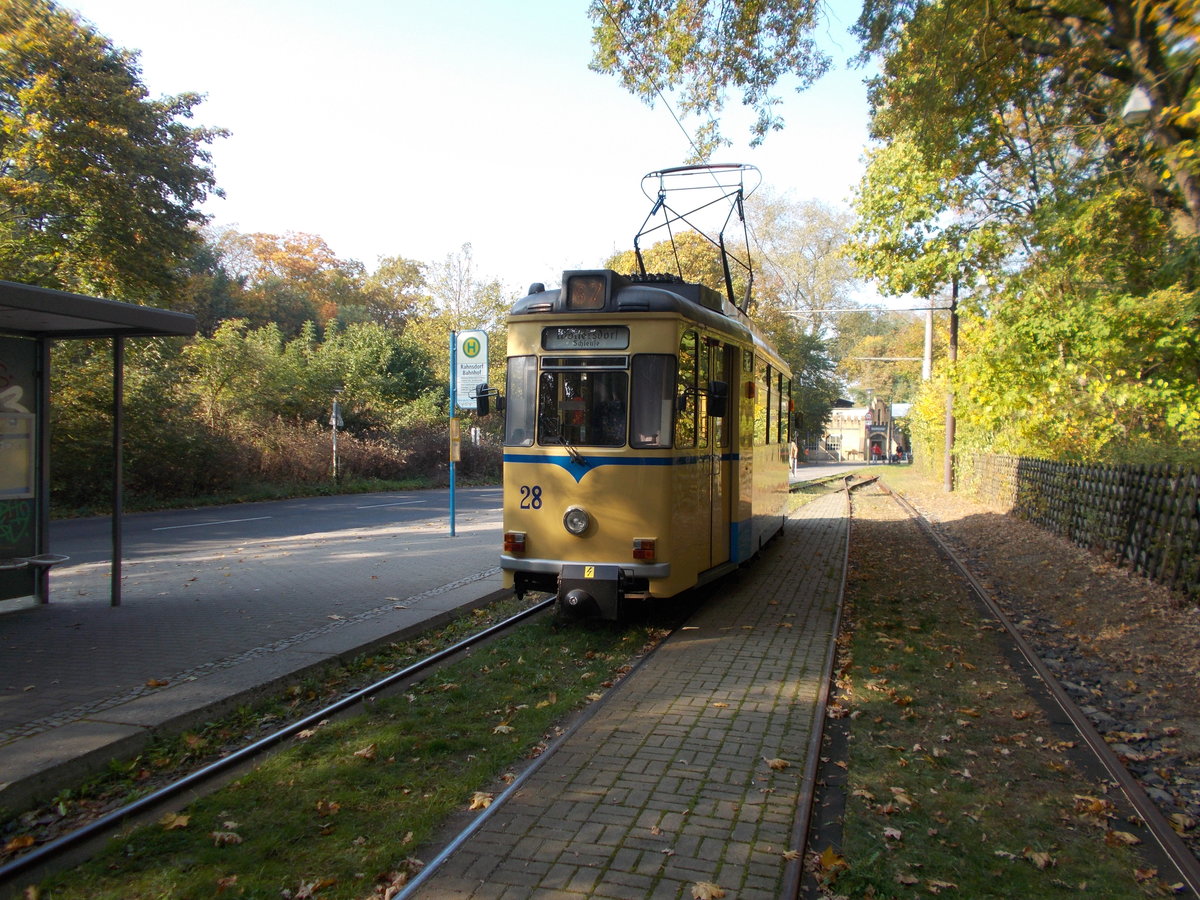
pixel 154 682
pixel 480 800
pixel 367 752
pixel 704 890
pixel 223 884
pixel 936 887
pixel 502 729
pixel 1182 822
pixel 831 861
pixel 171 821
pixel 1039 858
pixel 893 834
pixel 308 890
pixel 1117 838
pixel 225 838
pixel 20 843
pixel 777 764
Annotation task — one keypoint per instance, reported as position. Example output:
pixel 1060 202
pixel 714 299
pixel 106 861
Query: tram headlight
pixel 576 520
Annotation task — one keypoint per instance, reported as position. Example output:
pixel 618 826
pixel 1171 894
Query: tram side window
pixel 722 361
pixel 522 387
pixel 762 391
pixel 781 418
pixel 585 408
pixel 652 396
pixel 746 406
pixel 785 402
pixel 685 422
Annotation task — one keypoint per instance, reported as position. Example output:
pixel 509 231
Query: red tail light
pixel 514 542
pixel 643 548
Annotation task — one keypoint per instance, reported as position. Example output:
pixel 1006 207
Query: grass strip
pixel 340 812
pixel 956 781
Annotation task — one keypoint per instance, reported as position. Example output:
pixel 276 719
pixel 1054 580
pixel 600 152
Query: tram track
pixel 1171 846
pixel 71 846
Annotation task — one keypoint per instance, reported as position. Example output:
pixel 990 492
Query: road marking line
pixel 206 524
pixel 397 503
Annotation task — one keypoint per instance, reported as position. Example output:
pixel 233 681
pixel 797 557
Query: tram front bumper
pixel 590 591
pixel 557 566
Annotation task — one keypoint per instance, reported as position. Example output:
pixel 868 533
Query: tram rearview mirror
pixel 482 398
pixel 718 399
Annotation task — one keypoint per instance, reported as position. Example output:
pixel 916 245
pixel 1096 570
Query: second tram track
pixel 1168 842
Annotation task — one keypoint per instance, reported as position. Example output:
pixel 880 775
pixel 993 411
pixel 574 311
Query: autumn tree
pixel 945 65
pixel 459 298
pixel 690 255
pixel 99 184
pixel 701 48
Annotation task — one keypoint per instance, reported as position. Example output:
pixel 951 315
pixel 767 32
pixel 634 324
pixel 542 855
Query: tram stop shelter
pixel 31 319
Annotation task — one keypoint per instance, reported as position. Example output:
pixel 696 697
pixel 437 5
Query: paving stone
pixel 673 760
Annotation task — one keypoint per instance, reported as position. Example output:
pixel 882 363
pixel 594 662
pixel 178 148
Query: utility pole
pixel 948 461
pixel 927 363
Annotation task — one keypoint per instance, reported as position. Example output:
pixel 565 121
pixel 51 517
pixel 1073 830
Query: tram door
pixel 721 466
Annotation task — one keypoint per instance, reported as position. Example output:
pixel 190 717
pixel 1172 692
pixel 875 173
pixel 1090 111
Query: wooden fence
pixel 1147 517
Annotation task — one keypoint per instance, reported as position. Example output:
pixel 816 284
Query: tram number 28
pixel 531 496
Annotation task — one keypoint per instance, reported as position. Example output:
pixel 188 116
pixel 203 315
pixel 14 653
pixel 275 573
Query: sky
pixel 410 128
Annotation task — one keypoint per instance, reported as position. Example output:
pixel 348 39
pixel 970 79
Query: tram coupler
pixel 587 591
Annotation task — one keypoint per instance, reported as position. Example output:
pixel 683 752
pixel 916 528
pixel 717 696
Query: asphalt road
pixel 200 531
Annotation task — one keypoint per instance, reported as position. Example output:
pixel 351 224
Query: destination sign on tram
pixel 586 337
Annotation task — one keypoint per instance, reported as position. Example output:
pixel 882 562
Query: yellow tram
pixel 645 445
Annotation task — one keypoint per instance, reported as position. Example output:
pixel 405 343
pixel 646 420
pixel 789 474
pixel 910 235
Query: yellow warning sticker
pixel 589 571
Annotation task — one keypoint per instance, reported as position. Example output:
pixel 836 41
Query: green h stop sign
pixel 471 362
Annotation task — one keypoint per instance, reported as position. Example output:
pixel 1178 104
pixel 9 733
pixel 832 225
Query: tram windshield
pixel 582 408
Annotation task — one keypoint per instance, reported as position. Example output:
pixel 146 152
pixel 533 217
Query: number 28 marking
pixel 531 496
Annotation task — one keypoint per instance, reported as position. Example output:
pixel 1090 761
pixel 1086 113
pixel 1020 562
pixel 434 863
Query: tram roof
pixel 630 297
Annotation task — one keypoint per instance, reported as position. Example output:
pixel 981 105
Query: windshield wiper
pixel 575 454
pixel 548 437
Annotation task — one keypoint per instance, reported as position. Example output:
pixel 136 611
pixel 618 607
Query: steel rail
pixel 97 827
pixel 1166 838
pixel 793 879
pixel 455 844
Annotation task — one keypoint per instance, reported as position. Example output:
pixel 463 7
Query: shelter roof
pixel 44 313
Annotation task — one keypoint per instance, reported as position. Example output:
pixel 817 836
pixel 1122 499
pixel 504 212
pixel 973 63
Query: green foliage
pixel 690 255
pixel 252 374
pixel 1002 166
pixel 99 185
pixel 167 450
pixel 1120 374
pixel 701 48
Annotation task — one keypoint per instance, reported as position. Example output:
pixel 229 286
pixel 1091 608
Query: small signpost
pixel 468 370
